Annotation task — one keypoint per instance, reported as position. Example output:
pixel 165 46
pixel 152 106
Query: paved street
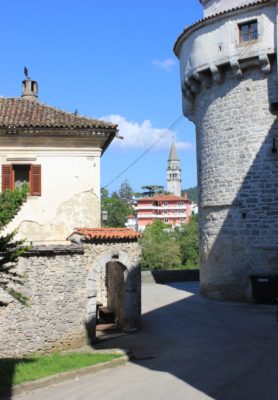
pixel 189 348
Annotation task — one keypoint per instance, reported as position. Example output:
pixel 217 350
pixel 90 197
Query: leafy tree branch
pixel 11 249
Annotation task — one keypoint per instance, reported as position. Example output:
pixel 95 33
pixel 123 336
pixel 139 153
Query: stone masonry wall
pixel 56 286
pixel 60 288
pixel 238 182
pixel 129 255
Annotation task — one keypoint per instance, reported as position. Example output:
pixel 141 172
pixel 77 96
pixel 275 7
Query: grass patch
pixel 18 370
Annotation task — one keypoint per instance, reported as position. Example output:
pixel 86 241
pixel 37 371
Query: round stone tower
pixel 230 91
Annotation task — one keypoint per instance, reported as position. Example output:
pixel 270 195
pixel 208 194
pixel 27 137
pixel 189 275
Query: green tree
pixel 117 211
pixel 160 250
pixel 151 190
pixel 188 237
pixel 126 192
pixel 104 194
pixel 11 249
pixel 192 194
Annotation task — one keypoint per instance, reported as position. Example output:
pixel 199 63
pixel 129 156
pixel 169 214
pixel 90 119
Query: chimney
pixel 30 89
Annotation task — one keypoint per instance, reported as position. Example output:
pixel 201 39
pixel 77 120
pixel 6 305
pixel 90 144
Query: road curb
pixel 64 376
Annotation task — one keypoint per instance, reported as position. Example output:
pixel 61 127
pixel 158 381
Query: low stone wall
pixel 62 284
pixel 55 317
pixel 164 276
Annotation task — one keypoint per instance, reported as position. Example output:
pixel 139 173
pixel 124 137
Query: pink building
pixel 170 209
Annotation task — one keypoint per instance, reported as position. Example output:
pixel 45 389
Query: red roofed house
pixel 75 289
pixel 58 154
pixel 170 209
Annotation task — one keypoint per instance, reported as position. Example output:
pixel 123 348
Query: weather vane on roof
pixel 26 73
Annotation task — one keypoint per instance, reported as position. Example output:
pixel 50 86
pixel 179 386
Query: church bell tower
pixel 174 172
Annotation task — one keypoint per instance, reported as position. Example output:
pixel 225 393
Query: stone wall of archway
pixel 61 284
pixel 98 256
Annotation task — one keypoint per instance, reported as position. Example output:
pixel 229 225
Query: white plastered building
pixel 58 155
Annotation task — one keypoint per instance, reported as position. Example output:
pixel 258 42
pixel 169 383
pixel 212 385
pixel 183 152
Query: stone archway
pixel 128 310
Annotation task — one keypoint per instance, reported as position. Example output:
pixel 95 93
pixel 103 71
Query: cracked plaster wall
pixel 70 193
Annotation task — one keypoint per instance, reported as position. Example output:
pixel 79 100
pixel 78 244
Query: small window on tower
pixel 248 31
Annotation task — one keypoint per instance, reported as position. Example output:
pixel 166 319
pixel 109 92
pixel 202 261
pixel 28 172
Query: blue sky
pixel 111 59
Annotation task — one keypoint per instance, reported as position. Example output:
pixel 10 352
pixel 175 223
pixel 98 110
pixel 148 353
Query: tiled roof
pixel 24 113
pixel 211 17
pixel 105 233
pixel 165 197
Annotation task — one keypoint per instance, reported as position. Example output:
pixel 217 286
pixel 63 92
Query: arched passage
pixel 114 269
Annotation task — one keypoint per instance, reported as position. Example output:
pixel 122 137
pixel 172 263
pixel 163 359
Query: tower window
pixel 248 31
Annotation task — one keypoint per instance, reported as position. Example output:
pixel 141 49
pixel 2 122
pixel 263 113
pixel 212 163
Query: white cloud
pixel 167 64
pixel 142 135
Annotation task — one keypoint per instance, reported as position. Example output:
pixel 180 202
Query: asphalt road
pixel 189 348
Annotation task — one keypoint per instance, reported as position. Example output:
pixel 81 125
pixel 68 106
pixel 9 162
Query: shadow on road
pixel 7 371
pixel 227 351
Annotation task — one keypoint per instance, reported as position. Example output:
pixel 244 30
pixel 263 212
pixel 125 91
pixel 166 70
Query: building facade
pixel 228 70
pixel 58 155
pixel 67 285
pixel 170 209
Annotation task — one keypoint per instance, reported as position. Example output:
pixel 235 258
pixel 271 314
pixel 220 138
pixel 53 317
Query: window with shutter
pixel 35 180
pixel 16 175
pixel 7 177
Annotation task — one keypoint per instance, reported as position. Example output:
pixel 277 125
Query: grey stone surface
pixel 189 347
pixel 63 286
pixel 238 183
pixel 237 169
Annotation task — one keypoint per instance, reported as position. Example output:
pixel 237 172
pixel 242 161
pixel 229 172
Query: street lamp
pixel 104 215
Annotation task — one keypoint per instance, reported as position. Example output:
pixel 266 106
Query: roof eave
pixel 212 18
pixel 109 140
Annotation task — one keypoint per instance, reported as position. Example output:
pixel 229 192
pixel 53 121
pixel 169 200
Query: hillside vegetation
pixel 192 194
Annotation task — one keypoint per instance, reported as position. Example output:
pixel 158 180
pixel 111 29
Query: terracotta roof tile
pixel 105 233
pixel 211 17
pixel 24 113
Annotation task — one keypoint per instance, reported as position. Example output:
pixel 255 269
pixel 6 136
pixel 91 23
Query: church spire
pixel 174 172
pixel 173 153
